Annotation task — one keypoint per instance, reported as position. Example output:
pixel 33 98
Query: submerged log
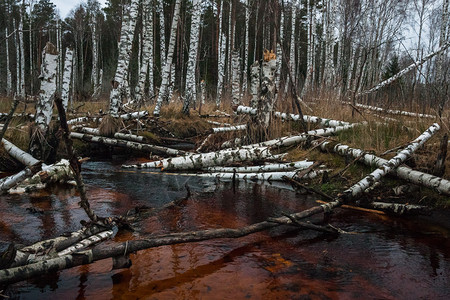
pixel 400 209
pixel 126 144
pixel 204 160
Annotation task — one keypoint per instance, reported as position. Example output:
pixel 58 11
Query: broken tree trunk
pixel 126 144
pixel 263 176
pixel 391 111
pixel 254 85
pixel 400 209
pixel 117 135
pixel 44 105
pixel 435 183
pixel 204 160
pixel 22 156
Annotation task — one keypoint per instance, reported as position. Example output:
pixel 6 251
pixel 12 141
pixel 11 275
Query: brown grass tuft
pixel 109 125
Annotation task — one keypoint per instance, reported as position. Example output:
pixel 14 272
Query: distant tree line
pixel 323 47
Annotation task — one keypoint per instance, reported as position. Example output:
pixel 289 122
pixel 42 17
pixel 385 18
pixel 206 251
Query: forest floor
pixel 379 137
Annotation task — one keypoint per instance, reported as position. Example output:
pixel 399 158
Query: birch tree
pixel 191 91
pixel 126 40
pixel 65 91
pixel 246 46
pixel 221 59
pixel 292 78
pixel 147 54
pixel 95 68
pixel 8 70
pixel 163 90
pixel 22 55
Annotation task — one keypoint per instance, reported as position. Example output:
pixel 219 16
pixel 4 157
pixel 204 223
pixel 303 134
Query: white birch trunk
pixel 292 79
pixel 96 238
pixel 235 88
pixel 264 176
pixel 246 47
pixel 254 88
pixel 20 155
pixel 203 88
pixel 95 69
pixel 147 54
pixel 391 164
pixel 65 92
pixel 406 70
pixel 443 38
pixel 16 44
pixel 298 165
pixel 8 70
pixel 438 184
pixel 310 46
pixel 191 91
pixel 204 160
pixel 162 33
pixel 393 112
pixel 117 135
pixel 126 41
pixel 126 144
pixel 163 91
pixel 221 58
pixel 296 139
pixel 11 181
pixel 229 128
pixel 309 119
pixel 22 57
pixel 44 106
pixel 280 52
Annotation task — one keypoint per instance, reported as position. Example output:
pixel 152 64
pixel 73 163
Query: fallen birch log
pixel 83 244
pixel 126 144
pixel 218 123
pixel 391 111
pixel 128 116
pixel 400 209
pixel 262 176
pixel 229 128
pixel 20 155
pixel 308 119
pixel 204 160
pixel 264 168
pixel 117 135
pixel 437 184
pixel 296 139
pixel 393 163
pixel 11 181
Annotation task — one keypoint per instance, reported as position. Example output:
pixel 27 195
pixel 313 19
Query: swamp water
pixel 383 257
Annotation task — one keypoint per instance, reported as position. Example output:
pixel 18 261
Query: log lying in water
pixel 126 144
pixel 261 176
pixel 437 184
pixel 264 168
pixel 400 209
pixel 308 119
pixel 204 160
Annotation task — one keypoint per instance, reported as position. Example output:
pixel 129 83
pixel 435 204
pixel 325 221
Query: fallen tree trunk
pixel 128 116
pixel 262 176
pixel 296 139
pixel 229 128
pixel 204 160
pixel 117 135
pixel 308 119
pixel 437 184
pixel 264 168
pixel 391 111
pixel 22 156
pixel 400 209
pixel 126 144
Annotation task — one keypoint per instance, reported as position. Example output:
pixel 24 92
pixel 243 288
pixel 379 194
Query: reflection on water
pixel 387 258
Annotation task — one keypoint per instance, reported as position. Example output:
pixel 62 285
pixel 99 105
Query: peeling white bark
pixel 229 128
pixel 204 160
pixel 265 176
pixel 104 235
pixel 254 85
pixel 298 165
pixel 235 86
pixel 393 112
pixel 117 135
pixel 65 92
pixel 20 155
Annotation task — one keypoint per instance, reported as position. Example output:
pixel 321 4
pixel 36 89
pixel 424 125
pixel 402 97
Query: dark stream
pixel 383 257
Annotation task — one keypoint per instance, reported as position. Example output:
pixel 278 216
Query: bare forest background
pixel 324 48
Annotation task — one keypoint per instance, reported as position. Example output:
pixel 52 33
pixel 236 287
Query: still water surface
pixel 383 258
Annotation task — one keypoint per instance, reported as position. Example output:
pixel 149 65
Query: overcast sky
pixel 65 6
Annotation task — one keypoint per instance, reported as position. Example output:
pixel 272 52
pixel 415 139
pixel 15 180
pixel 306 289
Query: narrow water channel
pixel 380 258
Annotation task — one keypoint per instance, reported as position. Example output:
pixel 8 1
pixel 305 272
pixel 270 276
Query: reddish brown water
pixel 385 258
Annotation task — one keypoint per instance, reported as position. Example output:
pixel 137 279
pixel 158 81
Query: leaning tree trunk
pixel 65 91
pixel 44 106
pixel 163 90
pixel 126 41
pixel 191 92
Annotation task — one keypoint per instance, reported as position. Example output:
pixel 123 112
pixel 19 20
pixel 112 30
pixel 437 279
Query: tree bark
pixel 67 78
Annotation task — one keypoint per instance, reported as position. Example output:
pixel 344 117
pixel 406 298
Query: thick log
pixel 204 160
pixel 262 176
pixel 400 209
pixel 126 144
pixel 437 184
pixel 22 156
pixel 118 135
pixel 264 168
pixel 229 128
pixel 296 139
